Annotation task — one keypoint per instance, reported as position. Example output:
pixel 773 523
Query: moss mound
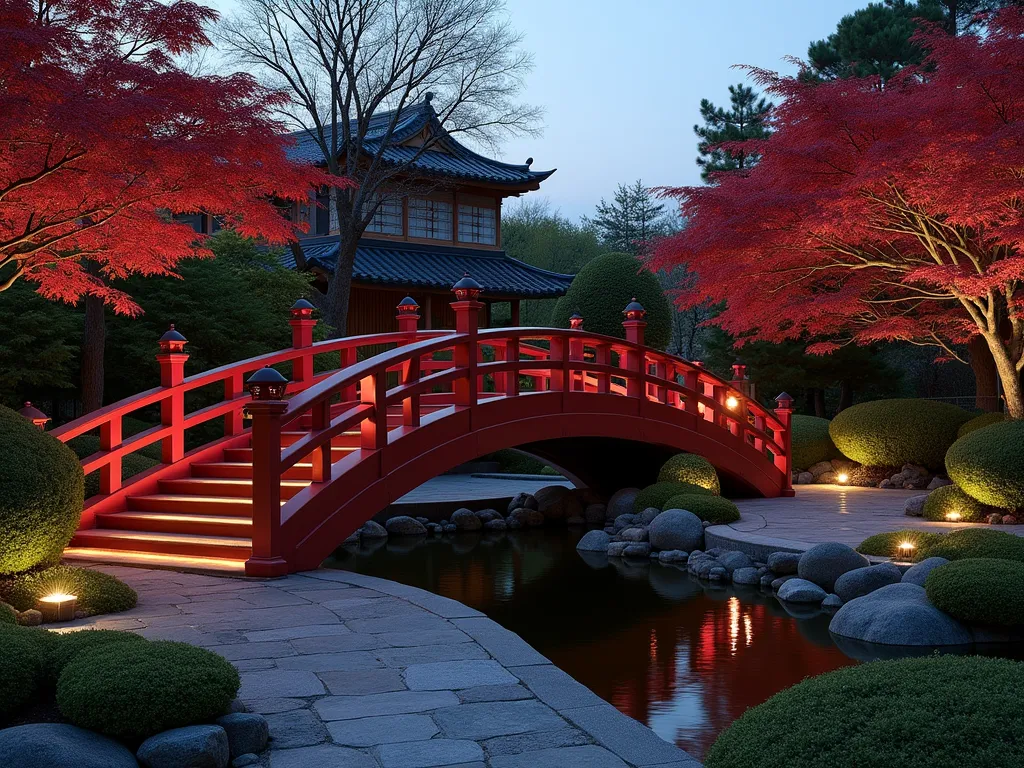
pixel 657 494
pixel 22 667
pixel 603 288
pixel 979 591
pixel 714 509
pixel 41 502
pixel 887 544
pixel 950 500
pixel 691 469
pixel 978 542
pixel 97 592
pixel 133 690
pixel 988 464
pixel 980 422
pixel 7 614
pixel 811 442
pixel 936 712
pixel 69 645
pixel 897 432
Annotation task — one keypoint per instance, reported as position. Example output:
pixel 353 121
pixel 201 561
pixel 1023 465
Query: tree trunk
pixel 845 395
pixel 986 393
pixel 1013 392
pixel 93 341
pixel 819 402
pixel 339 289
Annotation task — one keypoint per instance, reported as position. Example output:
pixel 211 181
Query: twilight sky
pixel 621 81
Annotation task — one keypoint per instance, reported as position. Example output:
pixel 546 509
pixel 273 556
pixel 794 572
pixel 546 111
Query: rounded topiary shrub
pixel 133 690
pixel 896 432
pixel 988 464
pixel 980 422
pixel 978 542
pixel 41 497
pixel 887 544
pixel 657 494
pixel 97 592
pixel 811 441
pixel 22 667
pixel 603 288
pixel 714 509
pixel 979 591
pixel 949 504
pixel 69 645
pixel 935 712
pixel 690 468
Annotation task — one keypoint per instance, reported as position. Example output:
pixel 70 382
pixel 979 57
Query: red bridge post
pixel 635 359
pixel 784 410
pixel 267 388
pixel 578 378
pixel 467 322
pixel 408 322
pixel 172 359
pixel 302 324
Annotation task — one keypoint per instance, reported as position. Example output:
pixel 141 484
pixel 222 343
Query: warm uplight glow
pixel 57 606
pixel 731 402
pixel 842 477
pixel 953 517
pixel 906 549
pixel 58 597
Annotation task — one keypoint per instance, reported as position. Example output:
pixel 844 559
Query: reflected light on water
pixel 734 622
pixel 843 508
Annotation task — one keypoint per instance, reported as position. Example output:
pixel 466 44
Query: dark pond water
pixel 681 656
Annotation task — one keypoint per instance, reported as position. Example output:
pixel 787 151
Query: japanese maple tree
pixel 878 214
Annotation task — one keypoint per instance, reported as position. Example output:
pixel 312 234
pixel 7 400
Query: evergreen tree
pixel 745 119
pixel 631 220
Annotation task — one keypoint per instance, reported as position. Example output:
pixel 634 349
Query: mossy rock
pixel 950 500
pixel 811 442
pixel 714 509
pixel 896 432
pixel 97 592
pixel 977 542
pixel 988 464
pixel 979 591
pixel 692 469
pixel 41 498
pixel 980 422
pixel 935 712
pixel 603 288
pixel 22 667
pixel 132 690
pixel 887 544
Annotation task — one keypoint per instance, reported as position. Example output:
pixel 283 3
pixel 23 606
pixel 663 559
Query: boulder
pixel 827 478
pixel 242 761
pixel 745 576
pixel 898 614
pixel 497 524
pixel 30 618
pixel 918 574
pixel 486 515
pixel 993 519
pixel 864 581
pixel 466 520
pixel 832 603
pixel 246 732
pixel 673 556
pixel 594 541
pixel 624 521
pixel 59 745
pixel 556 502
pixel 522 501
pixel 819 469
pixel 938 482
pixel 824 563
pixel 914 506
pixel 450 528
pixel 801 591
pixel 595 514
pixel 1009 519
pixel 403 525
pixel 766 581
pixel 648 515
pixel 633 534
pixel 783 563
pixel 776 584
pixel 195 746
pixel 804 478
pixel 734 560
pixel 372 530
pixel 676 529
pixel 637 549
pixel 616 548
pixel 718 573
pixel 621 502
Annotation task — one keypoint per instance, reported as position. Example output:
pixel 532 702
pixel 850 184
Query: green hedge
pixel 811 442
pixel 714 509
pixel 886 544
pixel 23 654
pixel 657 494
pixel 692 469
pixel 980 422
pixel 97 592
pixel 979 591
pixel 897 432
pixel 988 464
pixel 7 614
pixel 134 690
pixel 41 498
pixel 69 645
pixel 977 542
pixel 935 712
pixel 603 288
pixel 949 498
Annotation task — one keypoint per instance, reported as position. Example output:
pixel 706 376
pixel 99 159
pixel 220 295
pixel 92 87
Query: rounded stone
pixel 245 760
pixel 801 591
pixel 197 746
pixel 595 514
pixel 745 576
pixel 594 541
pixel 486 515
pixel 556 502
pixel 637 549
pixel 898 614
pixel 58 745
pixel 621 502
pixel 246 732
pixel 633 534
pixel 735 559
pixel 824 563
pixel 466 520
pixel 914 506
pixel 864 581
pixel 497 524
pixel 918 573
pixel 648 515
pixel 832 603
pixel 403 525
pixel 624 521
pixel 616 548
pixel 804 478
pixel 676 529
pixel 524 500
pixel 783 563
pixel 777 583
pixel 373 530
pixel 673 556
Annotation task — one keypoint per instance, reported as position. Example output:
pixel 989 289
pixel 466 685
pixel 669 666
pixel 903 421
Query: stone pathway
pixel 353 671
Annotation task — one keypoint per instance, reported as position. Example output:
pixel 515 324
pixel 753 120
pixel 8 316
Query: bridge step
pixel 176 522
pixel 191 544
pixel 155 560
pixel 175 502
pixel 344 440
pixel 244 455
pixel 237 487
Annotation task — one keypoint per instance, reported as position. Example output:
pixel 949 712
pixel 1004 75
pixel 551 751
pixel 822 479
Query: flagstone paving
pixel 353 671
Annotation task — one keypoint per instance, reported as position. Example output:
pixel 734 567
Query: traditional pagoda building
pixel 420 244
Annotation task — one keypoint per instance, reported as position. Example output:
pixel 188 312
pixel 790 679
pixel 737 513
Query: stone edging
pixel 758 547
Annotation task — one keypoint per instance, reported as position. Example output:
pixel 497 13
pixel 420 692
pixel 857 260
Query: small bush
pixel 979 590
pixel 41 500
pixel 886 544
pixel 897 432
pixel 950 499
pixel 133 690
pixel 811 442
pixel 980 422
pixel 691 490
pixel 934 712
pixel 69 645
pixel 97 592
pixel 657 494
pixel 7 614
pixel 714 509
pixel 978 542
pixel 22 668
pixel 690 468
pixel 988 464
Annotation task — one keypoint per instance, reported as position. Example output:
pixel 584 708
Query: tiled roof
pixel 431 266
pixel 457 161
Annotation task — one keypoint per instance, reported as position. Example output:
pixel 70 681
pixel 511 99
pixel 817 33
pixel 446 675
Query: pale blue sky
pixel 621 81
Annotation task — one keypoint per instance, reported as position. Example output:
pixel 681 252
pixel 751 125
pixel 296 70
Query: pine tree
pixel 746 119
pixel 631 220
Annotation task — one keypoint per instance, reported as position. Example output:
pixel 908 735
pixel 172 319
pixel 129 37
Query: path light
pixel 731 403
pixel 906 549
pixel 576 321
pixel 266 384
pixel 953 517
pixel 57 606
pixel 842 477
pixel 467 289
pixel 34 415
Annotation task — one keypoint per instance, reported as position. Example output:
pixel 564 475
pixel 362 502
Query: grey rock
pixel 801 591
pixel 819 469
pixel 898 614
pixel 58 745
pixel 621 502
pixel 637 549
pixel 595 514
pixel 804 478
pixel 832 603
pixel 556 502
pixel 372 530
pixel 673 556
pixel 824 563
pixel 526 518
pixel 745 576
pixel 827 478
pixel 718 573
pixel 676 529
pixel 466 520
pixel 648 515
pixel 594 541
pixel 486 515
pixel 735 559
pixel 244 760
pixel 403 525
pixel 616 548
pixel 197 746
pixel 864 581
pixel 575 521
pixel 938 482
pixel 633 534
pixel 522 501
pixel 776 584
pixel 918 574
pixel 767 579
pixel 914 506
pixel 246 732
pixel 498 524
pixel 624 521
pixel 450 528
pixel 422 519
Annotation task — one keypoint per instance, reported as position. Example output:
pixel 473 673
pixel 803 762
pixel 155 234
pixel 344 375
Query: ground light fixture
pixel 731 402
pixel 842 477
pixel 906 549
pixel 953 517
pixel 57 606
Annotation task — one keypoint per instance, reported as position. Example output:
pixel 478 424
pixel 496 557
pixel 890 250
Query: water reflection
pixel 685 657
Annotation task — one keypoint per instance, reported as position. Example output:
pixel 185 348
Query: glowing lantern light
pixel 731 402
pixel 953 517
pixel 842 477
pixel 57 606
pixel 906 549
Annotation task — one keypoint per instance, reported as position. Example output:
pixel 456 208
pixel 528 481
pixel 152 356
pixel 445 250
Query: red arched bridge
pixel 329 449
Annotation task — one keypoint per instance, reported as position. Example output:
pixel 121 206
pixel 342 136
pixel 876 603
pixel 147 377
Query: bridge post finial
pixel 172 357
pixel 408 315
pixel 302 323
pixel 634 322
pixel 739 378
pixel 784 410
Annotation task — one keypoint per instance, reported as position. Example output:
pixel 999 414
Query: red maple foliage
pixel 104 134
pixel 877 214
